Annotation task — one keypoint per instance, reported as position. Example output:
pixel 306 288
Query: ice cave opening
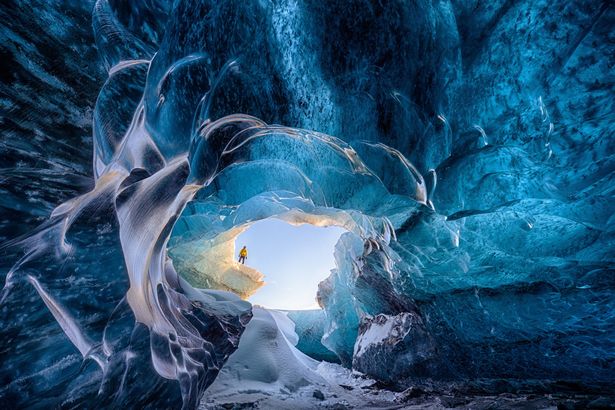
pixel 292 258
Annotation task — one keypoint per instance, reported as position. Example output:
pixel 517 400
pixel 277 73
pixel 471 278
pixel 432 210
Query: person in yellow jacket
pixel 243 255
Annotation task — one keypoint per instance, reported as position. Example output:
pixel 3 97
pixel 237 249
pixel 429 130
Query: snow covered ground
pixel 268 372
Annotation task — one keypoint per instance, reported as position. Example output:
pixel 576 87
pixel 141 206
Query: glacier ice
pixel 310 328
pixel 393 347
pixel 466 147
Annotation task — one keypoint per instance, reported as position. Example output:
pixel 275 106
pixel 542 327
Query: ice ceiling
pixel 466 147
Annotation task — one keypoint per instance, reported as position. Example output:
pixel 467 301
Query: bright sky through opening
pixel 294 259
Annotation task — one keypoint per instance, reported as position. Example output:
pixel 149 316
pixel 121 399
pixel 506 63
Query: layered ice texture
pixel 467 148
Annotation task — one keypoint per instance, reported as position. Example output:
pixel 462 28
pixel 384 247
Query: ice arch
pixel 300 190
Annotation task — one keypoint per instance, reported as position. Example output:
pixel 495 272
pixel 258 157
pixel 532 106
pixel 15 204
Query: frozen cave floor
pixel 268 372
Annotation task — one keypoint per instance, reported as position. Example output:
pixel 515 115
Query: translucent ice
pixel 466 147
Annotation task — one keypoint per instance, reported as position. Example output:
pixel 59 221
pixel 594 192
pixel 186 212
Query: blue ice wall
pixel 468 147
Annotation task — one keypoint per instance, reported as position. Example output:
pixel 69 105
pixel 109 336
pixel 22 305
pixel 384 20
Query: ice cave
pixel 460 152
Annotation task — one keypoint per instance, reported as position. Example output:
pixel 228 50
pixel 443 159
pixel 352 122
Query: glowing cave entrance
pixel 290 251
pixel 292 258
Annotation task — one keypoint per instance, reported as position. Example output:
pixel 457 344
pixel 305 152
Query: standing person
pixel 243 255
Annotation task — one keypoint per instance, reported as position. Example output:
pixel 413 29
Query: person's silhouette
pixel 243 255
